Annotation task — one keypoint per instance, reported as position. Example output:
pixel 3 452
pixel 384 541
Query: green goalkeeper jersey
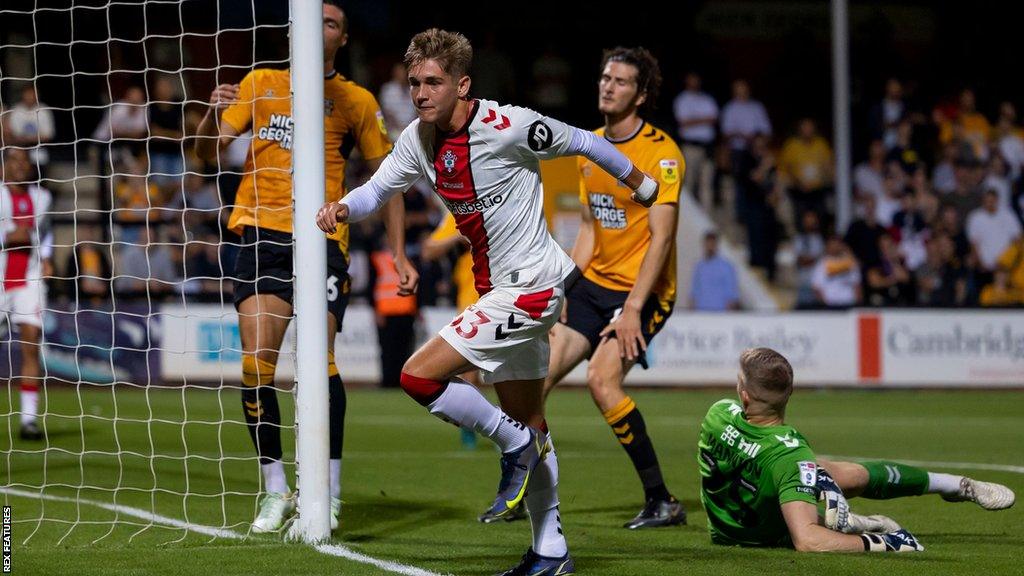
pixel 747 473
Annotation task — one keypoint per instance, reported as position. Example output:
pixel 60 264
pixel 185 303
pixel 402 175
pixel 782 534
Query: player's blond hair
pixel 766 376
pixel 451 50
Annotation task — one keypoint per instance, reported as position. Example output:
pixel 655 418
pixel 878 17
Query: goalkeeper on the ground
pixel 761 484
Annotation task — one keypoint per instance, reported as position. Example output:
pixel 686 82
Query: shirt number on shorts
pixel 332 288
pixel 474 325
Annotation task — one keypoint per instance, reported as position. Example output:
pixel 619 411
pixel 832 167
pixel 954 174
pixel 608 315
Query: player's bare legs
pixel 882 480
pixel 29 380
pixel 568 349
pixel 605 374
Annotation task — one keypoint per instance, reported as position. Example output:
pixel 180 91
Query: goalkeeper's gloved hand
pixel 837 510
pixel 898 541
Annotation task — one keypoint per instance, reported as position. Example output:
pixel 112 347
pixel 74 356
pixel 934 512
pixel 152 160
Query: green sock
pixel 892 480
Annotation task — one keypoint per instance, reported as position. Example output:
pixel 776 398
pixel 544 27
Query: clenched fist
pixel 330 214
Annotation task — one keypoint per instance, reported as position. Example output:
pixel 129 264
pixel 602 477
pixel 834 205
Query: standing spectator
pixel 836 278
pixel 29 125
pixel 885 115
pixel 124 125
pixel 944 173
pixel 991 231
pixel 743 118
pixel 941 281
pixel 714 288
pixel 806 166
pixel 895 187
pixel 969 124
pixel 166 159
pixel 762 224
pixel 395 315
pixel 696 114
pixel 868 176
pixel 809 247
pixel 395 102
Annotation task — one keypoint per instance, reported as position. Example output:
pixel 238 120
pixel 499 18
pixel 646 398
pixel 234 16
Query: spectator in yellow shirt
pixel 1000 292
pixel 806 167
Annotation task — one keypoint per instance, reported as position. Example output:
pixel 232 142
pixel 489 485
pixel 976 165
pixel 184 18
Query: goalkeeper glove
pixel 898 541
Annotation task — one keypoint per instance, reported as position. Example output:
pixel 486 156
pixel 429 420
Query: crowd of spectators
pixel 938 197
pixel 937 190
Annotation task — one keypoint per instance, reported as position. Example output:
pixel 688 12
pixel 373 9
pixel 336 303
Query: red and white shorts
pixel 23 305
pixel 505 333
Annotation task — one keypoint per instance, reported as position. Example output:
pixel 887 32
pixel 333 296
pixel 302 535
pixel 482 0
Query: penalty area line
pixel 336 550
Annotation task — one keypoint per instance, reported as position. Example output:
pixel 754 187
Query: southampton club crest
pixel 449 161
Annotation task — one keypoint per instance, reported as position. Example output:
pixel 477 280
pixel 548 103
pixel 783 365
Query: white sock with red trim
pixel 461 403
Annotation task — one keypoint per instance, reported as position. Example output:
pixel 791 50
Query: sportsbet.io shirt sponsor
pixel 606 211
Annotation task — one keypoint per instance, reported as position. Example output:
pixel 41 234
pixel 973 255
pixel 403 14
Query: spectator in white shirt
pixel 836 277
pixel 991 230
pixel 124 125
pixel 869 176
pixel 696 114
pixel 395 102
pixel 29 125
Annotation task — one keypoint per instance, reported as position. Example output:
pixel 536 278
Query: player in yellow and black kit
pixel 628 258
pixel 262 216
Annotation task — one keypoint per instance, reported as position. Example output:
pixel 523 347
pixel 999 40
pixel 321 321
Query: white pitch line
pixel 955 465
pixel 329 549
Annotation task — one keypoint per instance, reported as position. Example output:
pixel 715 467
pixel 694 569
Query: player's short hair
pixel 767 375
pixel 451 50
pixel 648 73
pixel 344 15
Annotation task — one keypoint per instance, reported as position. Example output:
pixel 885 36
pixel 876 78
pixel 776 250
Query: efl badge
pixel 449 161
pixel 808 473
pixel 669 171
pixel 380 123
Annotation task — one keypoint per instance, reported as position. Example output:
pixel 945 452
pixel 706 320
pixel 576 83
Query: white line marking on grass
pixel 329 549
pixel 343 552
pixel 955 465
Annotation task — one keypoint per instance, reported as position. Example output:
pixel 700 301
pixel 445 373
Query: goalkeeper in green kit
pixel 761 483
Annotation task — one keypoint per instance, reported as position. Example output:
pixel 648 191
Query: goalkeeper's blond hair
pixel 451 50
pixel 766 376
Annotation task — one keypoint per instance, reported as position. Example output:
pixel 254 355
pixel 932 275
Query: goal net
pixel 136 397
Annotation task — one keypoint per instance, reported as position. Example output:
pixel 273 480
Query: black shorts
pixel 592 307
pixel 264 266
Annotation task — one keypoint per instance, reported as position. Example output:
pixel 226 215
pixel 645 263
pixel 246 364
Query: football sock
pixel 542 504
pixel 335 478
pixel 29 402
pixel 273 477
pixel 893 480
pixel 628 425
pixel 462 404
pixel 947 484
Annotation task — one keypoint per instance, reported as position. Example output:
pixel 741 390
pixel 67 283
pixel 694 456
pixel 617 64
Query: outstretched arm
pixel 604 154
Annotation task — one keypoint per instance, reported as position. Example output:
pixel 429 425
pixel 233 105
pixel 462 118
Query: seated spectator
pixel 869 176
pixel 904 154
pixel 836 278
pixel 714 285
pixel 197 206
pixel 889 203
pixel 1012 260
pixel 974 127
pixel 137 200
pixel 885 115
pixel 89 269
pixel 1008 140
pixel 944 175
pixel 166 131
pixel 997 178
pixel 806 166
pixel 949 224
pixel 809 247
pixel 991 231
pixel 942 279
pixel 888 281
pixel 1000 292
pixel 909 231
pixel 863 233
pixel 969 173
pixel 144 269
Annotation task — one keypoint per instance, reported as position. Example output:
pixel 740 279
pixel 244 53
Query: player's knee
pixel 257 370
pixel 603 387
pixel 421 390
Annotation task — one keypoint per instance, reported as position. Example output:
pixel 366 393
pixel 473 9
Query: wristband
pixel 647 189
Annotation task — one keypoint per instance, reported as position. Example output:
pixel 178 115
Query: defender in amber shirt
pixel 627 253
pixel 262 216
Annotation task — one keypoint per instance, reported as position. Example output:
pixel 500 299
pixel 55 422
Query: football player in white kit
pixel 482 159
pixel 23 210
